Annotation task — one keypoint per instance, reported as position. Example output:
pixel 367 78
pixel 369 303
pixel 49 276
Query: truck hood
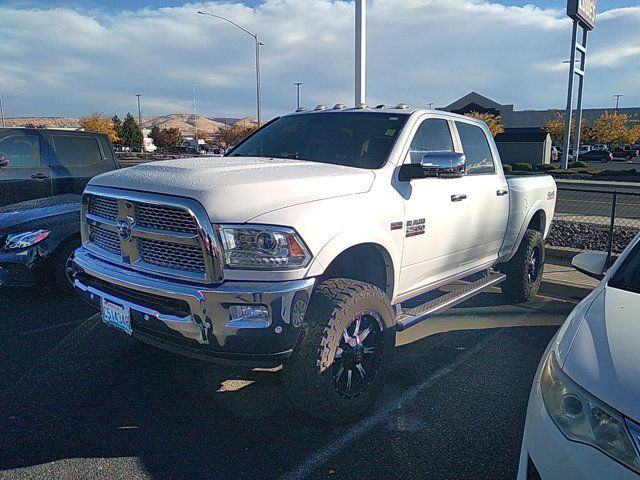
pixel 235 190
pixel 604 357
pixel 40 212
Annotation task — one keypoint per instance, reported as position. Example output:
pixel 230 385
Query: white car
pixel 583 420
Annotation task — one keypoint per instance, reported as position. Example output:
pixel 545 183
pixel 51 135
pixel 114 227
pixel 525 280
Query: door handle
pixel 502 192
pixel 39 176
pixel 459 197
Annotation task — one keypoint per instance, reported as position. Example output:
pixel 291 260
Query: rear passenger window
pixel 433 135
pixel 21 150
pixel 76 151
pixel 476 149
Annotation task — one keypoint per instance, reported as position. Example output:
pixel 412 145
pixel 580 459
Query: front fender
pixel 348 239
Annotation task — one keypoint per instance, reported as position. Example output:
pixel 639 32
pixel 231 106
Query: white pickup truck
pixel 310 244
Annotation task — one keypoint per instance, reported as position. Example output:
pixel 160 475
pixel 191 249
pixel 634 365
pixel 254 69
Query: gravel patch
pixel 588 236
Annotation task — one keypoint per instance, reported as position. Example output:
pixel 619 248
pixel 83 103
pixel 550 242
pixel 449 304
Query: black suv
pixel 42 176
pixel 42 163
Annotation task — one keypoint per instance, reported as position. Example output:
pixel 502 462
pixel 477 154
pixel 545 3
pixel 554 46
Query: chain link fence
pixel 589 219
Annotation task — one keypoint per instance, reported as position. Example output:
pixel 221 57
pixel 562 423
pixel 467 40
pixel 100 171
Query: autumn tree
pixel 634 134
pixel 555 127
pixel 494 122
pixel 230 135
pixel 203 134
pixel 131 135
pixel 168 138
pixel 100 123
pixel 613 128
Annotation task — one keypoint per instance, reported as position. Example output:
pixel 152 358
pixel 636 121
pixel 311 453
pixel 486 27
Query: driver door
pixel 26 177
pixel 436 217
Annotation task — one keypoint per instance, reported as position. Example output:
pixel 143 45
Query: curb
pixel 566 291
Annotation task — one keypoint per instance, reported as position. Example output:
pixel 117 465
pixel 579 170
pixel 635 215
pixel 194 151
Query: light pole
pixel 361 52
pixel 297 84
pixel 430 105
pixel 138 95
pixel 258 44
pixel 617 97
pixel 2 110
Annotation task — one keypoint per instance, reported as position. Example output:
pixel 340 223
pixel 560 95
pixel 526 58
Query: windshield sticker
pixel 390 132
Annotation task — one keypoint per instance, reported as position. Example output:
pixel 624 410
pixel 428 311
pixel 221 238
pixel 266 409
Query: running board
pixel 412 316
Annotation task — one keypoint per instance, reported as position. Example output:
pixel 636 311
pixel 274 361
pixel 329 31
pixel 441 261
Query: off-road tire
pixel 309 374
pixel 519 286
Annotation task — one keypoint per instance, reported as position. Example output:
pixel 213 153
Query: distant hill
pixel 183 121
pixel 48 122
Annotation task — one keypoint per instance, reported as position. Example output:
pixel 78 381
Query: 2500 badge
pixel 416 227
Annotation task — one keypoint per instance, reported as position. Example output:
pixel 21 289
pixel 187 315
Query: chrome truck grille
pixel 154 233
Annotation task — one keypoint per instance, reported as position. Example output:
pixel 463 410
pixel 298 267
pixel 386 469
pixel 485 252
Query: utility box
pixel 529 145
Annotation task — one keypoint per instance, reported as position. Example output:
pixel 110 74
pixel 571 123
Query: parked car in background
pixel 311 243
pixel 626 152
pixel 42 173
pixel 600 146
pixel 36 239
pixel 583 419
pixel 603 156
pixel 41 163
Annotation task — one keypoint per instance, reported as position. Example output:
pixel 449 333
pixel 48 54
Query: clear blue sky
pixel 136 4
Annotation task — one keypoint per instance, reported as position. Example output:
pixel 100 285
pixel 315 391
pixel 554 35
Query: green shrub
pixel 578 165
pixel 521 167
pixel 506 167
pixel 545 167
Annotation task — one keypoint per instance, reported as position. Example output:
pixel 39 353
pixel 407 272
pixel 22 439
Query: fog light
pixel 249 316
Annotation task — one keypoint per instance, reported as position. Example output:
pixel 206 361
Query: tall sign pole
pixel 361 51
pixel 583 13
pixel 2 110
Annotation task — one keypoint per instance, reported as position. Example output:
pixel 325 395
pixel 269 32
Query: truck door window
pixel 76 151
pixel 433 135
pixel 21 150
pixel 476 149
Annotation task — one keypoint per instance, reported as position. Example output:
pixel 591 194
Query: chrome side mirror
pixel 593 264
pixel 436 164
pixel 4 161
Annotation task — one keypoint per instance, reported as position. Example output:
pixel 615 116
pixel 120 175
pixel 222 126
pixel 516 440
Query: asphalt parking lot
pixel 81 400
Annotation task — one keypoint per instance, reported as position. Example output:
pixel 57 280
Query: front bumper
pixel 18 269
pixel 194 320
pixel 546 453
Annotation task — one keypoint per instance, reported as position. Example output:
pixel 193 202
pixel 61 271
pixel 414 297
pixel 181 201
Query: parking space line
pixel 53 327
pixel 322 456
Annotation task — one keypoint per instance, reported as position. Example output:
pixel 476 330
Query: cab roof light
pixel 339 106
pixel 402 106
pixel 319 108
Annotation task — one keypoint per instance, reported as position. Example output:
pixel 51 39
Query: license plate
pixel 116 316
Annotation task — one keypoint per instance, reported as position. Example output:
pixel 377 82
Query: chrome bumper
pixel 195 320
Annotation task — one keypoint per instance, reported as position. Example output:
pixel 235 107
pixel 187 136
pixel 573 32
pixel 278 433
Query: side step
pixel 412 316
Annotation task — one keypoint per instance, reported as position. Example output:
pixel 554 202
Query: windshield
pixel 353 139
pixel 628 275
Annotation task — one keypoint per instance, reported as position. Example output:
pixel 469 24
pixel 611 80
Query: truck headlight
pixel 16 241
pixel 581 417
pixel 263 247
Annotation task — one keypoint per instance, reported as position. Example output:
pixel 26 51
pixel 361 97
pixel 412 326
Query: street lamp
pixel 138 95
pixel 617 97
pixel 258 44
pixel 297 84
